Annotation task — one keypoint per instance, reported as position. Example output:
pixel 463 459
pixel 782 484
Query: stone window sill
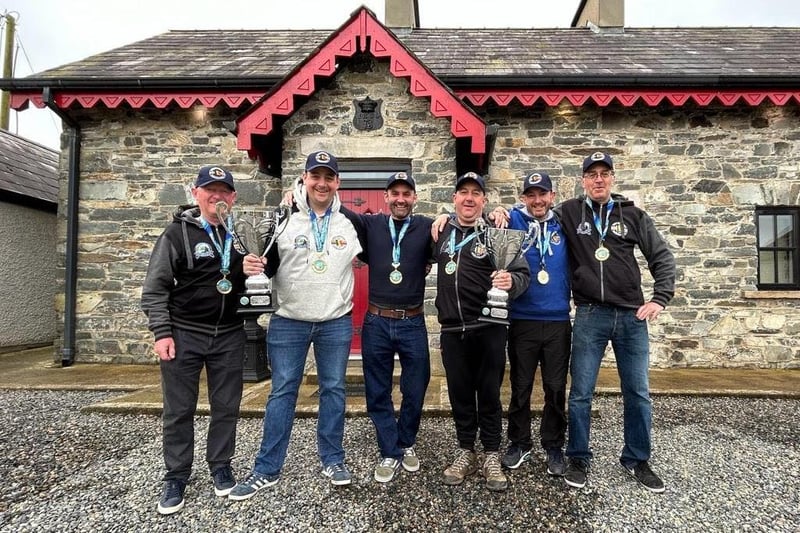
pixel 771 295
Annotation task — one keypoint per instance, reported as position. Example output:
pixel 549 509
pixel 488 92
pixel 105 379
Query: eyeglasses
pixel 605 174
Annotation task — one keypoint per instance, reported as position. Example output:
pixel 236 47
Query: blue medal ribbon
pixel 224 254
pixel 452 248
pixel 320 233
pixel 602 226
pixel 396 240
pixel 543 243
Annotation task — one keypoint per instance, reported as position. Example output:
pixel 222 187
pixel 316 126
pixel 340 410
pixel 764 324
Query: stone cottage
pixel 704 125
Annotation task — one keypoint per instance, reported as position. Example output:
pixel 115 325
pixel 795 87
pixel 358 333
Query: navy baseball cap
pixel 471 176
pixel 322 159
pixel 214 174
pixel 539 180
pixel 401 176
pixel 598 157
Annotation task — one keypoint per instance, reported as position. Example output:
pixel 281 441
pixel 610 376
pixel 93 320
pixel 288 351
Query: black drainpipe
pixel 71 266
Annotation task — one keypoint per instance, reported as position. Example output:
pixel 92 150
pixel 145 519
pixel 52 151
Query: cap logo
pixel 216 173
pixel 401 176
pixel 533 179
pixel 471 175
pixel 598 156
pixel 323 157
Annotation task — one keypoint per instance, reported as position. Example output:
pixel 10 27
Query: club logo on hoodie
pixel 203 249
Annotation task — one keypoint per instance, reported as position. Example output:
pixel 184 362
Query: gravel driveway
pixel 730 464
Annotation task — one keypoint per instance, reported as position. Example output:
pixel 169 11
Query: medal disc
pixel 395 276
pixel 224 286
pixel 450 267
pixel 319 265
pixel 543 277
pixel 602 253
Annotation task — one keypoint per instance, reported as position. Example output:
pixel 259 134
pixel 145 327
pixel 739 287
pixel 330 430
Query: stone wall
pixel 699 171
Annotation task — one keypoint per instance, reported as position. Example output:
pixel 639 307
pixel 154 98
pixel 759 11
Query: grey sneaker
pixel 646 477
pixel 223 480
pixel 556 466
pixel 338 473
pixel 172 497
pixel 514 457
pixel 252 484
pixel 410 460
pixel 386 469
pixel 465 464
pixel 495 478
pixel 575 476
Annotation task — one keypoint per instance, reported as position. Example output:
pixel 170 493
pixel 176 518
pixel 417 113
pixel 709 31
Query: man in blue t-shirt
pixel 540 330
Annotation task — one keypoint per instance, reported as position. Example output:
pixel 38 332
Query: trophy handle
pixel 283 212
pixel 223 214
pixel 531 237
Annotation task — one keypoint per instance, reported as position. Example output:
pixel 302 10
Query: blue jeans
pixel 288 342
pixel 382 337
pixel 594 326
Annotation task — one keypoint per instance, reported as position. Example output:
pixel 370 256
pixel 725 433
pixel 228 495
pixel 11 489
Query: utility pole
pixel 8 57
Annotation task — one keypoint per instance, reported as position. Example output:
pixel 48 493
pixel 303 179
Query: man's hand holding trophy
pixel 254 231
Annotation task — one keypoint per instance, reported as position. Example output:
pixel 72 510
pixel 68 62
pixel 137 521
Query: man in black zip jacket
pixel 189 297
pixel 602 230
pixel 473 352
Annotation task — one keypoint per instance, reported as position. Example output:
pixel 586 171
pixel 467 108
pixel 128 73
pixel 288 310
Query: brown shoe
pixel 493 472
pixel 465 464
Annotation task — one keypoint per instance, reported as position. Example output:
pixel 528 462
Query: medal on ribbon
pixel 395 276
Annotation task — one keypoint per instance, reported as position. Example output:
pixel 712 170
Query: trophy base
pixel 255 304
pixel 494 315
pixel 256 361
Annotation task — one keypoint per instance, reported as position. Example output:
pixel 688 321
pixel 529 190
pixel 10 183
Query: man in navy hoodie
pixel 540 330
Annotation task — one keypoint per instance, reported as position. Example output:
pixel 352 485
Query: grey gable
pixel 463 58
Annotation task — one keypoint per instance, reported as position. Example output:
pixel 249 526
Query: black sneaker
pixel 223 480
pixel 556 466
pixel 575 476
pixel 172 498
pixel 646 477
pixel 514 457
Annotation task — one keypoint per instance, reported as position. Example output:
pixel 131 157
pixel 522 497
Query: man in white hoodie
pixel 311 268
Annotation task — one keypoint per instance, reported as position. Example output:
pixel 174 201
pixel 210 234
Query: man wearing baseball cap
pixel 312 273
pixel 540 330
pixel 602 229
pixel 397 248
pixel 473 351
pixel 189 297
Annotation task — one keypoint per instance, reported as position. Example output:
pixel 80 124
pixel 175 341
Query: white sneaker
pixel 386 469
pixel 410 460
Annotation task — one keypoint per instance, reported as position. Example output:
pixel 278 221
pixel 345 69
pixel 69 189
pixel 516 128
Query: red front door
pixel 360 201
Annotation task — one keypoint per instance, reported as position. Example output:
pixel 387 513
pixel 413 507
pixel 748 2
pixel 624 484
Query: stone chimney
pixel 401 14
pixel 598 14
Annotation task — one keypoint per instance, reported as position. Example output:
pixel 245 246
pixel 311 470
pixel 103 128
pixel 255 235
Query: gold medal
pixel 602 253
pixel 543 277
pixel 318 265
pixel 395 276
pixel 450 267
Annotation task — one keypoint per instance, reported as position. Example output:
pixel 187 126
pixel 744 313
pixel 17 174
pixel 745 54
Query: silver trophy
pixel 503 246
pixel 255 231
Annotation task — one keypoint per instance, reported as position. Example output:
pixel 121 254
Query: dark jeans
pixel 381 338
pixel 474 362
pixel 545 344
pixel 223 356
pixel 595 326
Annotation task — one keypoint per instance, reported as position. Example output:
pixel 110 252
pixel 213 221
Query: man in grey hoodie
pixel 311 268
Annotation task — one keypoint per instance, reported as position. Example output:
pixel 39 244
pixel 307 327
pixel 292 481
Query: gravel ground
pixel 730 464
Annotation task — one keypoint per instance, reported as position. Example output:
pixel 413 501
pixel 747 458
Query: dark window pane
pixel 785 271
pixel 766 235
pixel 766 267
pixel 785 237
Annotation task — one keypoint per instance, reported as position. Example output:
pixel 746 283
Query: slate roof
pixel 462 58
pixel 27 169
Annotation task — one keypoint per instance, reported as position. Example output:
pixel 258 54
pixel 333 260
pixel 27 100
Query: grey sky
pixel 55 32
